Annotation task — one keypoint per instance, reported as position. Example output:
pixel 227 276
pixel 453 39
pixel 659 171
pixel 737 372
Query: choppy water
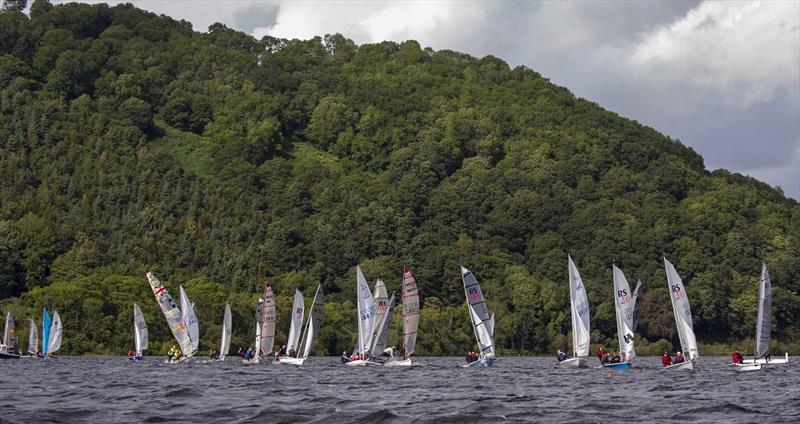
pixel 111 390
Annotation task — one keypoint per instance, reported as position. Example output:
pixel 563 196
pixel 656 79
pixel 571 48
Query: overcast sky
pixel 723 77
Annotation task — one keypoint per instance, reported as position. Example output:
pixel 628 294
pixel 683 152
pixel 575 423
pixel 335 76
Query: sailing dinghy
pixel 52 332
pixel 411 319
pixel 174 317
pixel 579 310
pixel 683 318
pixel 265 326
pixel 624 304
pixel 9 350
pixel 763 325
pixel 139 334
pixel 33 340
pixel 225 338
pixel 366 319
pixel 310 332
pixel 482 323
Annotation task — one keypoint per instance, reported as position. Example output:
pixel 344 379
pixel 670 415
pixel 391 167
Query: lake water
pixel 111 390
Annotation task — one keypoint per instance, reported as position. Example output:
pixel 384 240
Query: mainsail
pixel 579 307
pixel 45 331
pixel 139 330
pixel 33 338
pixel 265 334
pixel 56 332
pixel 190 319
pixel 682 311
pixel 637 302
pixel 298 312
pixel 225 342
pixel 410 312
pixel 313 323
pixel 382 334
pixel 172 314
pixel 9 334
pixel 479 313
pixel 366 311
pixel 381 306
pixel 624 306
pixel 764 314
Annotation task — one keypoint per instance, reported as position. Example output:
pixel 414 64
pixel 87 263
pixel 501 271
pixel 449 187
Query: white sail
pixel 257 352
pixel 298 312
pixel 9 339
pixel 190 319
pixel 225 339
pixel 139 330
pixel 382 334
pixel 410 312
pixel 265 333
pixel 313 323
pixel 764 314
pixel 366 311
pixel 172 314
pixel 381 303
pixel 682 312
pixel 33 338
pixel 56 332
pixel 479 313
pixel 579 307
pixel 624 306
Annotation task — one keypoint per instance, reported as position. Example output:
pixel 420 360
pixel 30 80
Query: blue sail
pixel 45 331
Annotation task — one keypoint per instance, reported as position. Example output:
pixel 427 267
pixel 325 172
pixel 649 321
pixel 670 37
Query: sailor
pixel 614 358
pixel 665 359
pixel 561 356
pixel 601 355
pixel 737 357
pixel 131 354
pixel 388 352
pixel 345 358
pixel 679 359
pixel 248 354
pixel 241 352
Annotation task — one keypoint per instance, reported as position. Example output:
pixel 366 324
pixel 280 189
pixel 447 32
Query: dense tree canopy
pixel 129 142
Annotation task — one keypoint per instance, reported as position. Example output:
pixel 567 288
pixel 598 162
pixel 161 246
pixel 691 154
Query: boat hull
pixel 480 363
pixel 358 363
pixel 618 366
pixel 689 365
pixel 135 358
pixel 574 363
pixel 4 355
pixel 399 363
pixel 777 361
pixel 292 361
pixel 746 367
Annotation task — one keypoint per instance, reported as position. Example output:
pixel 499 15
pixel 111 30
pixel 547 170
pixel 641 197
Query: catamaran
pixel 265 326
pixel 366 318
pixel 139 334
pixel 174 316
pixel 8 350
pixel 683 318
pixel 579 310
pixel 482 323
pixel 225 339
pixel 410 318
pixel 310 332
pixel 624 305
pixel 51 333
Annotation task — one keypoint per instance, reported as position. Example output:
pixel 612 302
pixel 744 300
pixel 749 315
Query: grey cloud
pixel 260 15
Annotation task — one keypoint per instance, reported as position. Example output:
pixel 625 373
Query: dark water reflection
pixel 110 390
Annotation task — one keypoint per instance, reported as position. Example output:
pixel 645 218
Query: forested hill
pixel 130 142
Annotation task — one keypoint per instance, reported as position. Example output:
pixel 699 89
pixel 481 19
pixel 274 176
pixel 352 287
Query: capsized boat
pixel 579 311
pixel 482 323
pixel 310 332
pixel 763 325
pixel 9 350
pixel 366 318
pixel 174 317
pixel 140 336
pixel 624 307
pixel 411 319
pixel 683 318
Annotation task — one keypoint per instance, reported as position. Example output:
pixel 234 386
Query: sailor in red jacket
pixel 665 359
pixel 737 357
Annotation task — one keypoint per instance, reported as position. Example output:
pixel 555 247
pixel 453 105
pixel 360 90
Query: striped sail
pixel 225 342
pixel 383 330
pixel 764 314
pixel 381 303
pixel 313 323
pixel 139 330
pixel 45 331
pixel 479 313
pixel 33 338
pixel 298 312
pixel 579 307
pixel 366 311
pixel 410 312
pixel 172 314
pixel 624 306
pixel 190 319
pixel 682 312
pixel 56 333
pixel 266 321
